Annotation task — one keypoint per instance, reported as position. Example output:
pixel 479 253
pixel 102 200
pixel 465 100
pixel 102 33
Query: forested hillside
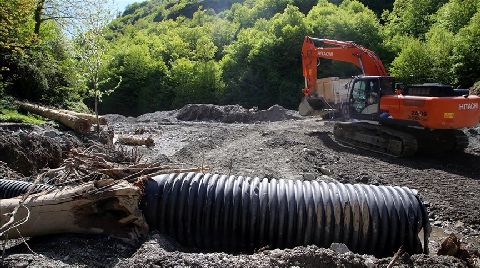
pixel 170 53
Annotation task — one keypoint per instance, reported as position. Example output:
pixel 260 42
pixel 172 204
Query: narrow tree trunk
pixel 38 16
pixel 96 112
pixel 78 124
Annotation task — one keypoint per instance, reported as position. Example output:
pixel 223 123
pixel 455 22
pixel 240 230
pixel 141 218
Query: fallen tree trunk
pixel 102 207
pixel 76 123
pixel 91 118
pixel 135 141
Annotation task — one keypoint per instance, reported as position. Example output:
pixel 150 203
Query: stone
pixel 339 248
pixel 309 176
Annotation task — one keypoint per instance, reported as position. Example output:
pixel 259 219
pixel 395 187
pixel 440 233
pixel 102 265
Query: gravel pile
pixel 234 114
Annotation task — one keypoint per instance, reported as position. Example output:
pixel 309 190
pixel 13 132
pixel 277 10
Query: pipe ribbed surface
pixel 13 188
pixel 242 213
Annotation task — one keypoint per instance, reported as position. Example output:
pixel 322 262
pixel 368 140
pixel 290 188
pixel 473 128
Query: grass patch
pixel 8 115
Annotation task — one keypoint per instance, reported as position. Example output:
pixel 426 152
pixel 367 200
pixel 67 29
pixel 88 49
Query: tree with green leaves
pixel 16 19
pixel 91 50
pixel 466 53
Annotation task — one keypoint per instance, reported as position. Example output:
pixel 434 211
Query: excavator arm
pixel 361 57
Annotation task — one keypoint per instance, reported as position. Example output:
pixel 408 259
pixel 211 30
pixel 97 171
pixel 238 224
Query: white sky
pixel 122 4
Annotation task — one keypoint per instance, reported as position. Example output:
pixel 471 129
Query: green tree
pixel 16 20
pixel 196 81
pixel 258 65
pixel 456 14
pixel 466 53
pixel 413 64
pixel 91 50
pixel 145 84
pixel 411 17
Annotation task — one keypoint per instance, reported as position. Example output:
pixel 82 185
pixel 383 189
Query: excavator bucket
pixel 310 106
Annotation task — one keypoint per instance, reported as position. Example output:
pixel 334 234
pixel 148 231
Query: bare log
pixel 78 124
pixel 102 207
pixel 91 118
pixel 135 141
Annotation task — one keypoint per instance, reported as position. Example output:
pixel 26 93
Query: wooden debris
pixel 76 123
pixel 397 255
pixel 89 117
pixel 92 163
pixel 102 207
pixel 135 141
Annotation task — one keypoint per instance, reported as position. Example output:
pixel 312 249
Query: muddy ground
pixel 276 143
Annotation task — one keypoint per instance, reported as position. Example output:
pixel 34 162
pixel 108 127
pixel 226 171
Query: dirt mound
pixel 161 116
pixel 473 135
pixel 27 149
pixel 234 114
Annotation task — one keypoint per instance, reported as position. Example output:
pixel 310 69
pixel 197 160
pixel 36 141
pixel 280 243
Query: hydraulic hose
pixel 232 213
pixel 13 188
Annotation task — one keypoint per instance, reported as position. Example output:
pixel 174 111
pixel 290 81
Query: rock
pixel 437 223
pixel 325 170
pixel 450 246
pixel 364 179
pixel 309 176
pixel 298 178
pixel 370 263
pixel 139 131
pixel 309 151
pixel 339 248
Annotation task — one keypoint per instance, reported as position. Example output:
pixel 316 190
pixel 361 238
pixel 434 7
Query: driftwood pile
pixel 101 162
pixel 99 191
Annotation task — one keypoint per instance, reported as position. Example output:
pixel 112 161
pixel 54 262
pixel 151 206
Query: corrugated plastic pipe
pixel 232 213
pixel 13 188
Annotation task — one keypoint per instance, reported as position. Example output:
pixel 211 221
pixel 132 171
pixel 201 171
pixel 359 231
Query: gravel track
pixel 450 184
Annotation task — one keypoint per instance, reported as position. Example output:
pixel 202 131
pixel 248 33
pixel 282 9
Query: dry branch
pixel 102 207
pixel 135 141
pixel 78 124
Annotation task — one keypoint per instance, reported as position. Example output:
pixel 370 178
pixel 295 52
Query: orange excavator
pixel 386 119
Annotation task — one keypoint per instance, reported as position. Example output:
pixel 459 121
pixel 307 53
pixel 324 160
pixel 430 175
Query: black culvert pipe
pixel 240 213
pixel 13 188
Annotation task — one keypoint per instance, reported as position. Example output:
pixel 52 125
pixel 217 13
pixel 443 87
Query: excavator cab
pixel 365 94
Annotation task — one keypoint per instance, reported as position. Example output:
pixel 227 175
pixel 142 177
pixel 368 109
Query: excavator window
pixel 365 97
pixel 358 98
pixel 372 94
pixel 386 87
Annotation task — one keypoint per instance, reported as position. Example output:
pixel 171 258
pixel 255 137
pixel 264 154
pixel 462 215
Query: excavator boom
pixel 365 59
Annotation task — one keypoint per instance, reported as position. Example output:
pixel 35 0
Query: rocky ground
pixel 273 143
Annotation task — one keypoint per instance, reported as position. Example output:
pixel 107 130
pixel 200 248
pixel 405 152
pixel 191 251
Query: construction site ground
pixel 277 144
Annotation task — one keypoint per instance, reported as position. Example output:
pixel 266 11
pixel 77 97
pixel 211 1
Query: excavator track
pixel 376 138
pixel 399 141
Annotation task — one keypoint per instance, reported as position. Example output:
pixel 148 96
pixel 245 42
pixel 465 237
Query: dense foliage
pixel 172 52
